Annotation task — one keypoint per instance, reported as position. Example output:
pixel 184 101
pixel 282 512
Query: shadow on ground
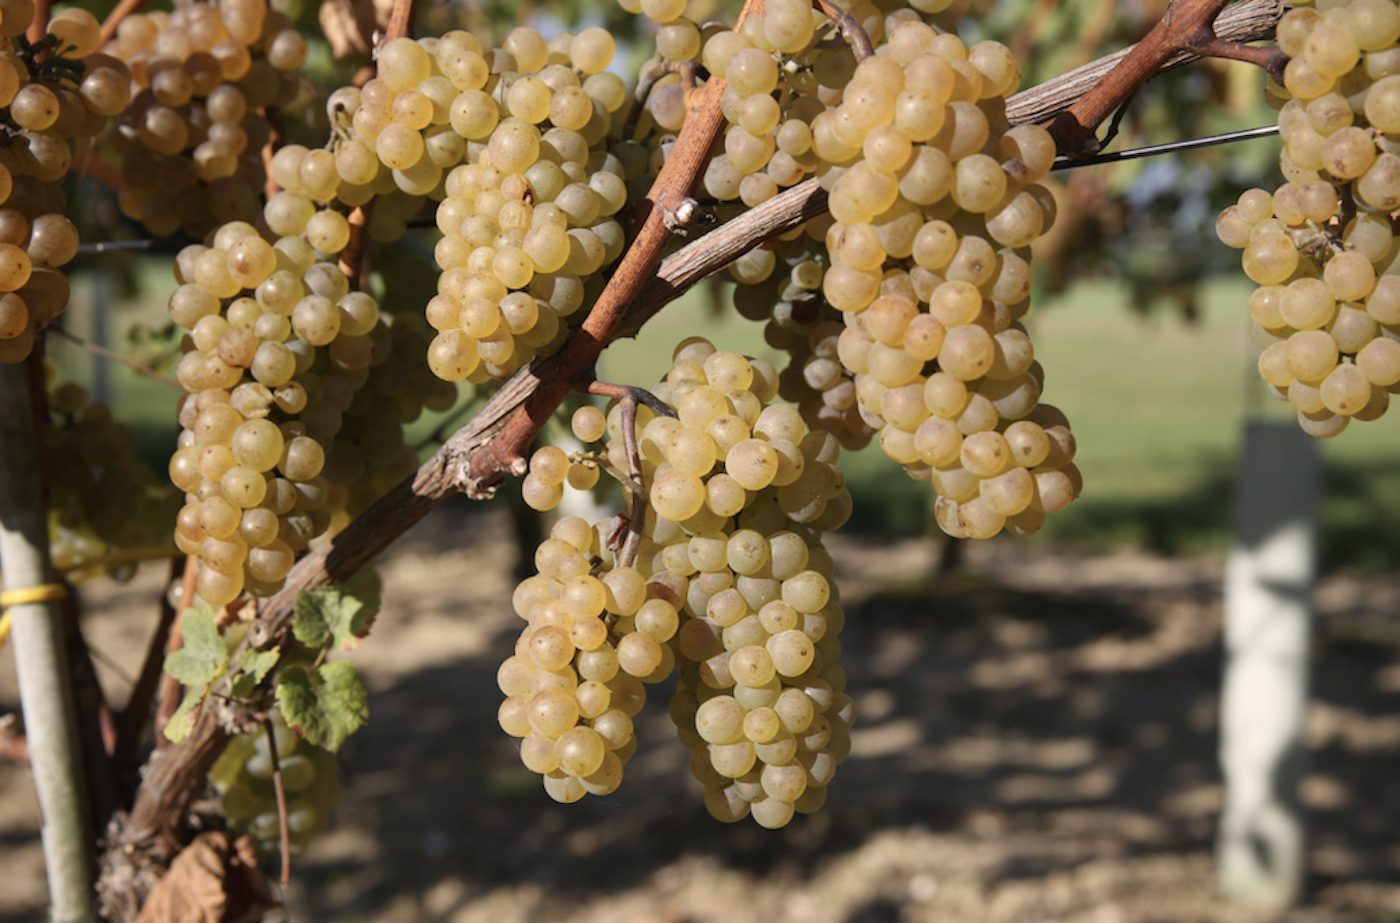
pixel 1035 743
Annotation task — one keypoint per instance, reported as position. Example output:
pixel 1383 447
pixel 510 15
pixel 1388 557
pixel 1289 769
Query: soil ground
pixel 1036 741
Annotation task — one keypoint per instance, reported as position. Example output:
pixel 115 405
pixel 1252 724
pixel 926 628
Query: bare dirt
pixel 1036 742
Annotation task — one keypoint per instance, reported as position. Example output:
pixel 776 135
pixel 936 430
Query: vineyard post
pixel 45 682
pixel 1261 849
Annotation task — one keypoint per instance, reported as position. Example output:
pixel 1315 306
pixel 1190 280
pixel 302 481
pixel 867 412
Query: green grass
pixel 1157 405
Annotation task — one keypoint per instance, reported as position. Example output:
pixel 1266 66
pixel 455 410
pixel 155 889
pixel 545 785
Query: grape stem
pixel 627 392
pixel 39 25
pixel 284 831
pixel 628 397
pixel 352 260
pixel 274 140
pixel 627 411
pixel 850 28
pixel 652 70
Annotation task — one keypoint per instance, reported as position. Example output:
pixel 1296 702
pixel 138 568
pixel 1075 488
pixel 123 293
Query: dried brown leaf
pixel 212 880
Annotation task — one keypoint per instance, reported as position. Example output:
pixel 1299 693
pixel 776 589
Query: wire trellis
pixel 173 244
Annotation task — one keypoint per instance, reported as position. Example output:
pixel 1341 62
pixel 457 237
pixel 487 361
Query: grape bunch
pixel 1322 247
pixel 513 143
pixel 278 347
pixel 204 77
pixel 101 498
pixel 243 778
pixel 596 632
pixel 730 581
pixel 531 213
pixel 934 204
pixel 57 94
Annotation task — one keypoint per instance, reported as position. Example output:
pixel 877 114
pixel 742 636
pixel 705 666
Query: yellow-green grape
pixel 1325 306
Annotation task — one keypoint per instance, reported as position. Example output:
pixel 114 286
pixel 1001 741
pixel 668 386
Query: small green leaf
pixel 180 723
pixel 203 655
pixel 251 669
pixel 333 615
pixel 325 707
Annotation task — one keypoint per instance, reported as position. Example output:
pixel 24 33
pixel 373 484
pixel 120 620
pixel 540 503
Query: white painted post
pixel 1268 587
pixel 41 660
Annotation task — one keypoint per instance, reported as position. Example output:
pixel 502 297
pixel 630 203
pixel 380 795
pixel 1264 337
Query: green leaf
pixel 203 655
pixel 334 615
pixel 251 669
pixel 325 707
pixel 180 723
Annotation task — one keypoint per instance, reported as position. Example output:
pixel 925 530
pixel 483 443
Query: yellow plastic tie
pixel 4 627
pixel 43 593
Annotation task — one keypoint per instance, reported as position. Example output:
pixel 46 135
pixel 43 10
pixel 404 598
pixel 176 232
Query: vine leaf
pixel 325 706
pixel 252 667
pixel 203 657
pixel 339 616
pixel 180 723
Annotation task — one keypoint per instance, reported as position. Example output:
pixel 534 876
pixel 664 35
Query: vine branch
pixel 1187 28
pixel 1247 21
pixel 492 443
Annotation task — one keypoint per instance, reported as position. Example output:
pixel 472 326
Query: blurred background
pixel 1038 718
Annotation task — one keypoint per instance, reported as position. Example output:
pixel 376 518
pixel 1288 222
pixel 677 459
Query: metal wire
pixel 176 243
pixel 1171 147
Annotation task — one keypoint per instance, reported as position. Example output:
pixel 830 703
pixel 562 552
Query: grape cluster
pixel 530 215
pixel 512 142
pixel 278 347
pixel 730 581
pixel 596 631
pixel 101 498
pixel 934 202
pixel 1322 247
pixel 242 777
pixel 742 492
pixel 204 76
pixel 57 94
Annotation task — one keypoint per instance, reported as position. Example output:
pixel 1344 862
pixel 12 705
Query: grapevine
pixel 874 198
